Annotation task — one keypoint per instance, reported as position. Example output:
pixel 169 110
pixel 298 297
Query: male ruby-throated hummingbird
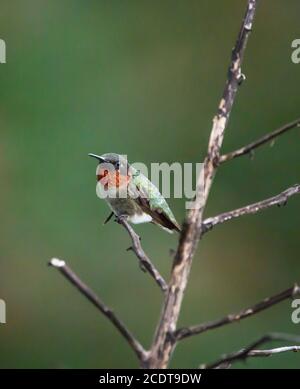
pixel 142 202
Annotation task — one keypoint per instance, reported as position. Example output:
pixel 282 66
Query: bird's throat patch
pixel 112 179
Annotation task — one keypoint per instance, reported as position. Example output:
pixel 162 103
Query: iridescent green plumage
pixel 155 203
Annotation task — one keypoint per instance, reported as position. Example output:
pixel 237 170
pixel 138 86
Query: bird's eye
pixel 117 165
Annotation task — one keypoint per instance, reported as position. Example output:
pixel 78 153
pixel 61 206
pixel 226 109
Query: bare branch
pixel 270 352
pixel 143 258
pixel 69 274
pixel 163 345
pixel 250 351
pixel 268 302
pixel 248 149
pixel 280 199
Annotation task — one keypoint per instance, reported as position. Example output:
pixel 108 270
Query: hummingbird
pixel 130 194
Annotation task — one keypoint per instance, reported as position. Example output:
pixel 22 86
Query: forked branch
pixel 268 302
pixel 280 199
pixel 69 274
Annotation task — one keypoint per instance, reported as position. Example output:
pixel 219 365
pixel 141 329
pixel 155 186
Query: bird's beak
pixel 100 159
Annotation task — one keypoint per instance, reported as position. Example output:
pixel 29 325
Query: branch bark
pixel 268 302
pixel 163 345
pixel 69 274
pixel 248 149
pixel 280 199
pixel 270 352
pixel 140 253
pixel 250 351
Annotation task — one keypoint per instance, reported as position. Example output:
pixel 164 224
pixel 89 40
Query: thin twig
pixel 250 351
pixel 270 352
pixel 280 199
pixel 248 149
pixel 163 346
pixel 268 302
pixel 69 274
pixel 143 258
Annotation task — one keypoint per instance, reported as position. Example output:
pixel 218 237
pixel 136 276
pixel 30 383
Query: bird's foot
pixel 118 219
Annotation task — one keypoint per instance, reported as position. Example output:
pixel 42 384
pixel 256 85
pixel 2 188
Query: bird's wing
pixel 154 204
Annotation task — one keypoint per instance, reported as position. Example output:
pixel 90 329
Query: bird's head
pixel 112 170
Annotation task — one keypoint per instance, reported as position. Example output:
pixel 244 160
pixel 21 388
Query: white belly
pixel 140 218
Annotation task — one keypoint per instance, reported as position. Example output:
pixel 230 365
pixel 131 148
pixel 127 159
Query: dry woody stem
pixel 163 344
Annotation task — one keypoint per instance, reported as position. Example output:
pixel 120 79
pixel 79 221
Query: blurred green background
pixel 144 79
